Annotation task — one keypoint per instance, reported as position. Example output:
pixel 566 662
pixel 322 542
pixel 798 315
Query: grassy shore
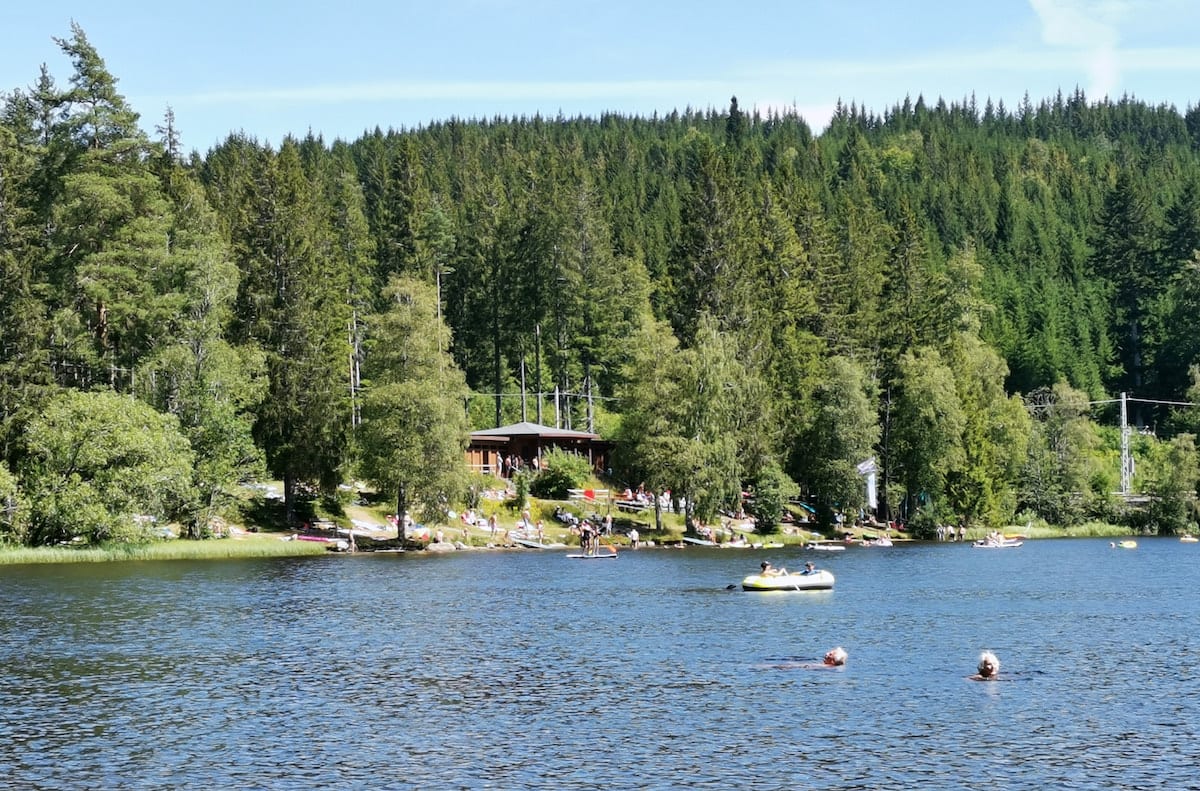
pixel 267 516
pixel 251 546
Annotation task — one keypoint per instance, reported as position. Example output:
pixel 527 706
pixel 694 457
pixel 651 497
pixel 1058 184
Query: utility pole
pixel 537 364
pixel 1126 459
pixel 524 411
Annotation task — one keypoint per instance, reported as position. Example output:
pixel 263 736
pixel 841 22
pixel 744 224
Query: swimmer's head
pixel 989 665
pixel 836 656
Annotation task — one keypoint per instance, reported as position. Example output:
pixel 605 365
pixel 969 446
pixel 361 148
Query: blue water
pixel 528 670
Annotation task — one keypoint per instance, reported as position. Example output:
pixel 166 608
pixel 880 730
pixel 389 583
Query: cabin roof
pixel 527 429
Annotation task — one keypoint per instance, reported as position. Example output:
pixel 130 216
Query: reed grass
pixel 262 546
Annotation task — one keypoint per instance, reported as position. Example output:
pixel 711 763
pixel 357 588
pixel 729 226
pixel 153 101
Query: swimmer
pixel 989 667
pixel 836 657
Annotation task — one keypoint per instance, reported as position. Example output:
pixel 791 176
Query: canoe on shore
pixel 531 544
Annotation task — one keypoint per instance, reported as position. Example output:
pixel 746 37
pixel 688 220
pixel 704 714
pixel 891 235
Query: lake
pixel 528 670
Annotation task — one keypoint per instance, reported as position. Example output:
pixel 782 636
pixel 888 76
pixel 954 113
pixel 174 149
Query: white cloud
pixel 1092 30
pixel 1079 24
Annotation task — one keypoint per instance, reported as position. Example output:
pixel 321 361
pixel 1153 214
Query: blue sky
pixel 270 68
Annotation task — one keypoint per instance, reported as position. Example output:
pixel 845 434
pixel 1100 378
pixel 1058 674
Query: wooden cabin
pixel 526 442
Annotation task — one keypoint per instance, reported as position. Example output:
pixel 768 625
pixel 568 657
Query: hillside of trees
pixel 958 291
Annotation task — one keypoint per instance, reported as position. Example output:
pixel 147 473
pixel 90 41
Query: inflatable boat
pixel 819 580
pixel 1001 543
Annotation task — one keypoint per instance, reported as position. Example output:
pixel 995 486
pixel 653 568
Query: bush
pixel 771 490
pixel 560 472
pixel 521 486
pixel 925 521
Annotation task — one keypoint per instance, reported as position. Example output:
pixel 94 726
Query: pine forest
pixel 959 290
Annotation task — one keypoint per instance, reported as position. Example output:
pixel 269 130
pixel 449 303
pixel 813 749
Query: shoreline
pixel 277 544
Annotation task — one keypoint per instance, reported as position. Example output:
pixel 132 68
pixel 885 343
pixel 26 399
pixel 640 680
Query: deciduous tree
pixel 414 432
pixel 99 465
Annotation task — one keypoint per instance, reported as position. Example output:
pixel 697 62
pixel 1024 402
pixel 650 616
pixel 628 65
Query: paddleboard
pixel 593 557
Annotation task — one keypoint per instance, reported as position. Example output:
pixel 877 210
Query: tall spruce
pixel 24 369
pixel 293 303
pixel 1127 256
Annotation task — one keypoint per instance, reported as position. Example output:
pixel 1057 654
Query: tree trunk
pixel 885 466
pixel 289 498
pixel 401 510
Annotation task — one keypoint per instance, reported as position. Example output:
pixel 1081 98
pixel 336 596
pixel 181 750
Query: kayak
pixel 532 544
pixel 813 581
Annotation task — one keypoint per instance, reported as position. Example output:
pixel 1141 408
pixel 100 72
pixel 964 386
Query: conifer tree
pixel 109 230
pixel 293 302
pixel 1126 255
pixel 711 256
pixel 24 369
